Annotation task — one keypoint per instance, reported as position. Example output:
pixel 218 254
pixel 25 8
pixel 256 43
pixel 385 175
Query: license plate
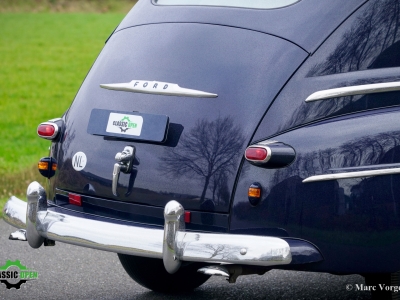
pixel 128 125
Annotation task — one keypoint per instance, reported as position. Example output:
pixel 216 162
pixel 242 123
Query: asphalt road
pixel 71 272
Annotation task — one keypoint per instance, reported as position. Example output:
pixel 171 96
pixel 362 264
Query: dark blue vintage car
pixel 231 138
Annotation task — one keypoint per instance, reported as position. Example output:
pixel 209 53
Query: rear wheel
pixel 151 273
pixel 385 285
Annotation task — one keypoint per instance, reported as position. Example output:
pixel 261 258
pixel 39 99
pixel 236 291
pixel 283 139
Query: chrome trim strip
pixel 347 175
pixel 158 88
pixel 369 167
pixel 267 142
pixel 355 90
pixel 149 242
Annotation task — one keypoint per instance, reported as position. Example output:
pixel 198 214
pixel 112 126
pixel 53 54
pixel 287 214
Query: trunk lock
pixel 124 164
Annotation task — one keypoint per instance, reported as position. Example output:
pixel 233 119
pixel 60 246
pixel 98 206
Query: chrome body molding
pixel 267 142
pixel 355 90
pixel 347 175
pixel 172 244
pixel 158 88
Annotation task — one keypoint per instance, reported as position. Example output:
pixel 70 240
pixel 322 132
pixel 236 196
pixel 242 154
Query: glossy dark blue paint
pixel 306 23
pixel 357 53
pixel 258 63
pixel 348 219
pixel 245 68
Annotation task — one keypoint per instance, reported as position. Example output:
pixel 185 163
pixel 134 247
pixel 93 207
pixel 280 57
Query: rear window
pixel 263 4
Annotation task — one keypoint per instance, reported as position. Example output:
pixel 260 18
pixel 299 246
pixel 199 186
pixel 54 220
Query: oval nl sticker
pixel 79 161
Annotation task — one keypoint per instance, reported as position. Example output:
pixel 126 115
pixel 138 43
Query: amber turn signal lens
pixel 47 166
pixel 43 165
pixel 254 193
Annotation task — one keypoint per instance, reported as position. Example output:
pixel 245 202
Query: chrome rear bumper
pixel 172 244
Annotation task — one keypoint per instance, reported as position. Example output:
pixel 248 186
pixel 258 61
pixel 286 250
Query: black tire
pixel 151 273
pixel 382 283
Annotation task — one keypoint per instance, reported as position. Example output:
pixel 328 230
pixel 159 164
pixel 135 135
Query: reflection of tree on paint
pixel 210 151
pixel 333 205
pixel 369 196
pixel 372 42
pixel 219 186
pixel 368 150
pixel 373 34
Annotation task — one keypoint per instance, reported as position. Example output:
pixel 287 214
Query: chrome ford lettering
pixel 158 88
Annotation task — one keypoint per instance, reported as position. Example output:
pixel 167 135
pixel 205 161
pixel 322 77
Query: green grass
pixel 43 59
pixel 101 6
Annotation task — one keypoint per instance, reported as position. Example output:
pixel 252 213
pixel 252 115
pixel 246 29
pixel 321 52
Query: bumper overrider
pixel 172 244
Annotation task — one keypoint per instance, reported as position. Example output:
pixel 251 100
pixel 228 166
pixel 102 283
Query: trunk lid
pixel 198 162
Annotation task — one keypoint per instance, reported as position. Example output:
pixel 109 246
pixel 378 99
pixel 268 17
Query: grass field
pixel 44 58
pixel 98 6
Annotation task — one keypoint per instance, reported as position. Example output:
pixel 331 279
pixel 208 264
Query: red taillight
pixel 256 154
pixel 187 216
pixel 74 199
pixel 47 130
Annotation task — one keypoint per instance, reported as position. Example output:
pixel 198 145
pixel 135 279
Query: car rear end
pixel 150 160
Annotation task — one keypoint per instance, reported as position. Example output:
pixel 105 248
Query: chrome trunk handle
pixel 124 164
